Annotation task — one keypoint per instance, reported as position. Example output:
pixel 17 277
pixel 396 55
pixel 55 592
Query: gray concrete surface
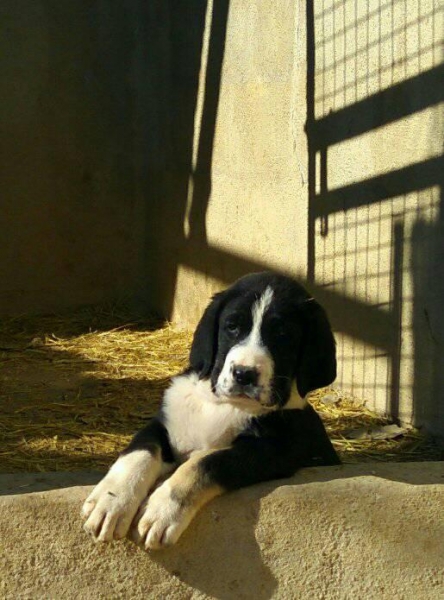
pixel 356 531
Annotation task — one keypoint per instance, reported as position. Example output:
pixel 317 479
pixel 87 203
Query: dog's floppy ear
pixel 317 360
pixel 204 346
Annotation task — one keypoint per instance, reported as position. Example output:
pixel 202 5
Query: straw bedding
pixel 75 387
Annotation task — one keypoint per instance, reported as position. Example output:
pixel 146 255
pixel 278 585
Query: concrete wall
pixel 162 149
pixel 375 124
pixel 232 192
pixel 313 146
pixel 311 142
pixel 71 211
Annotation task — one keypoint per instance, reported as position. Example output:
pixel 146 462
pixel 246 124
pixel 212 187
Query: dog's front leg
pixel 169 510
pixel 207 474
pixel 110 508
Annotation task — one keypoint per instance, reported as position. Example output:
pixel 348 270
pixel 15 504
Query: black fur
pixel 296 331
pixel 273 447
pixel 298 336
pixel 153 437
pixel 236 417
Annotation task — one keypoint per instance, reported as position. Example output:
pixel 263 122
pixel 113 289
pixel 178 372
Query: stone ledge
pixel 356 531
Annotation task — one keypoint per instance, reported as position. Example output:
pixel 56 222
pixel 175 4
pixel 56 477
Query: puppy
pixel 236 417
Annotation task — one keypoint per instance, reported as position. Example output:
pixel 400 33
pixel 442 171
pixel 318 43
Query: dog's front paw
pixel 162 519
pixel 110 508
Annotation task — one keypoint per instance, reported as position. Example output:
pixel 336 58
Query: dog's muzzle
pixel 243 381
pixel 245 376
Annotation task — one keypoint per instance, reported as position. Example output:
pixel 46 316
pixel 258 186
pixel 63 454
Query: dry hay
pixel 76 386
pixel 349 415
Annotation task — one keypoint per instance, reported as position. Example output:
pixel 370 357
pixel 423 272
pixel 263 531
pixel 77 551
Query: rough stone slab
pixel 356 531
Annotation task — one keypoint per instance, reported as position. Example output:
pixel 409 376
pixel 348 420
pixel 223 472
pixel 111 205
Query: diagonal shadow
pixel 398 101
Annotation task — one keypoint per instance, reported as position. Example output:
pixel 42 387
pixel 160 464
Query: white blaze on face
pixel 250 353
pixel 258 311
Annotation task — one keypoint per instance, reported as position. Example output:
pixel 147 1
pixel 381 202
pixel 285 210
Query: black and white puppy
pixel 236 417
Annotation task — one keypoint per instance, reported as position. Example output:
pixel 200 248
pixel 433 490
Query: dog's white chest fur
pixel 196 420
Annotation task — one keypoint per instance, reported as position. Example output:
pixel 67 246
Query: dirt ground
pixel 75 387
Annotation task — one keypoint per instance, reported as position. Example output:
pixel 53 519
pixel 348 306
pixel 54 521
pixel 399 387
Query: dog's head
pixel 260 338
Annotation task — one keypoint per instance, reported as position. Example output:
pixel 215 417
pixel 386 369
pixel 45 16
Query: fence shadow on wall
pixel 384 231
pixel 379 238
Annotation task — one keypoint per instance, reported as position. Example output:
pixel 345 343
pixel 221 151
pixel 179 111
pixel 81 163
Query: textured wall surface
pixel 315 148
pixel 232 194
pixel 311 142
pixel 71 210
pixel 332 533
pixel 376 129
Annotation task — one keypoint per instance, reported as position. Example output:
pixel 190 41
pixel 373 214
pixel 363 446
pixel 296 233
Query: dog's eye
pixel 232 327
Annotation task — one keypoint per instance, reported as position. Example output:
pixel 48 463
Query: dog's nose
pixel 245 375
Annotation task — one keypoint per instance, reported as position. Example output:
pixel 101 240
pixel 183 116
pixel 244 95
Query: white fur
pixel 259 309
pixel 111 506
pixel 196 419
pixel 251 352
pixel 162 519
